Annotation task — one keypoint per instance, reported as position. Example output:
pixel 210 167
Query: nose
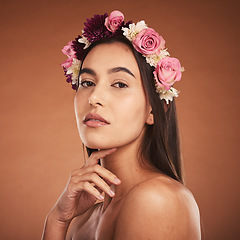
pixel 97 96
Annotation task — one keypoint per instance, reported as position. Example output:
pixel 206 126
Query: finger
pixel 87 187
pixel 104 173
pixel 95 156
pixel 98 182
pixel 108 176
pixel 100 190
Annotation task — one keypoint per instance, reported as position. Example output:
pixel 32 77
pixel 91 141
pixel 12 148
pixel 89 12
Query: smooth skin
pixel 120 199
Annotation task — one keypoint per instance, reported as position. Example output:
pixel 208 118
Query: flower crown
pixel 145 40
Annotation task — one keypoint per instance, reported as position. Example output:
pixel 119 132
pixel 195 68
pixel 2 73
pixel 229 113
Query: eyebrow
pixel 87 70
pixel 121 69
pixel 112 70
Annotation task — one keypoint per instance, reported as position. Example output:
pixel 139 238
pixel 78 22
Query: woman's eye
pixel 120 85
pixel 86 83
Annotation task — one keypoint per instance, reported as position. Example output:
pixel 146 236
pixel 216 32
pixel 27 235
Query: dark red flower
pixel 95 29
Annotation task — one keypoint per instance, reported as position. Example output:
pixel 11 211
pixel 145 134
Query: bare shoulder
pixel 159 208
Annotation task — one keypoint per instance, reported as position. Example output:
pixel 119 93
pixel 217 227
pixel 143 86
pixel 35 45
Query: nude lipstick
pixel 94 120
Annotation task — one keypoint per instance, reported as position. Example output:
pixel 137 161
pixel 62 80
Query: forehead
pixel 110 55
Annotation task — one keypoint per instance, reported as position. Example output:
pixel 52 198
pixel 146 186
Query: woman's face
pixel 110 105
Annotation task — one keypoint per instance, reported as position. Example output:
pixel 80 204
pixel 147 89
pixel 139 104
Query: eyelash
pixel 120 85
pixel 87 83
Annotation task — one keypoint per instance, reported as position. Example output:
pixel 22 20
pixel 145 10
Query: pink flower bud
pixel 67 63
pixel 114 21
pixel 68 50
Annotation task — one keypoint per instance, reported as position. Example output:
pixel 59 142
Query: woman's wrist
pixel 54 228
pixel 54 218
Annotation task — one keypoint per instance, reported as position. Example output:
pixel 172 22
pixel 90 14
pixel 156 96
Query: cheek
pixel 132 115
pixel 76 107
pixel 80 103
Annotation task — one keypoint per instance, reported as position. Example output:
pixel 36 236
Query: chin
pixel 101 145
pixel 101 141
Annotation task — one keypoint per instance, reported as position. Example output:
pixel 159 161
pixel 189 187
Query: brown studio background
pixel 39 139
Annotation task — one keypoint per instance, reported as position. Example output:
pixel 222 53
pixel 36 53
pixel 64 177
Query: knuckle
pixel 85 164
pixel 74 179
pixel 96 168
pixel 85 185
pixel 93 176
pixel 94 153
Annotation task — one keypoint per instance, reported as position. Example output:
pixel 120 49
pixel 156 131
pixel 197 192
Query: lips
pixel 94 120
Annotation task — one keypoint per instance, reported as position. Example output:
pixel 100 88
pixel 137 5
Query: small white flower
pixel 134 29
pixel 152 59
pixel 85 41
pixel 127 33
pixel 164 53
pixel 169 95
pixel 140 26
pixel 74 70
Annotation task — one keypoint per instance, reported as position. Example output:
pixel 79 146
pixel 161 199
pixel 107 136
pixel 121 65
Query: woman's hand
pixel 84 188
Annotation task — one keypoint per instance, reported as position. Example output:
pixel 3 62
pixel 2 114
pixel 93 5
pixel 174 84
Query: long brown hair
pixel 160 145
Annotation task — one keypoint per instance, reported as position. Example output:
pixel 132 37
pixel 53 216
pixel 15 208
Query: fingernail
pixel 117 181
pixel 100 197
pixel 112 193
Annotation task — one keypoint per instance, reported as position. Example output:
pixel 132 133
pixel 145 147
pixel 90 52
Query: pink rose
pixel 167 72
pixel 68 50
pixel 67 63
pixel 148 41
pixel 114 20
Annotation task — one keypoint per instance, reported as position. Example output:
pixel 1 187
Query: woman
pixel 131 185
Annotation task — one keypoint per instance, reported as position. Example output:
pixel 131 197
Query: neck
pixel 125 164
